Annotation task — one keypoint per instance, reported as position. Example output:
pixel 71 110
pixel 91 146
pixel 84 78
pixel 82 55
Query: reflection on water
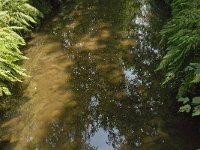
pixel 93 85
pixel 99 140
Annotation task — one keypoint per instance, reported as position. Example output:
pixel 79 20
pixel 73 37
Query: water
pixel 93 85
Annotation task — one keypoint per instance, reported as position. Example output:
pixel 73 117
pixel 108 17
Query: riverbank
pixel 17 21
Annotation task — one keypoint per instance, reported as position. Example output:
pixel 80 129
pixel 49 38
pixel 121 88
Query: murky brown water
pixel 93 85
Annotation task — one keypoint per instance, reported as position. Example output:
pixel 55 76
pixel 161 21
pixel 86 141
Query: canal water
pixel 92 83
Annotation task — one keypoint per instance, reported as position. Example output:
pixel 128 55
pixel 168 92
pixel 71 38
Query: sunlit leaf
pixel 184 100
pixel 196 111
pixel 185 108
pixel 16 16
pixel 196 100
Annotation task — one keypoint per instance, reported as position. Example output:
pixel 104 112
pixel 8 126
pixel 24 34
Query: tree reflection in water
pixel 114 45
pixel 119 103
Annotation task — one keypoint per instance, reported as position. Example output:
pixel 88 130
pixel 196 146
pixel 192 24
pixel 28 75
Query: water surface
pixel 93 84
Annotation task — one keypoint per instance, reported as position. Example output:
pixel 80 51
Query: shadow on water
pixel 93 85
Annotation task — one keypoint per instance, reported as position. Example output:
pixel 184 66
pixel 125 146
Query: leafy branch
pixel 181 36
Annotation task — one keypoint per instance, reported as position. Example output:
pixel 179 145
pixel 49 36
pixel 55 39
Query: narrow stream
pixel 93 85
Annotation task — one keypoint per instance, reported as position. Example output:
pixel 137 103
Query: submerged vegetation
pixel 181 36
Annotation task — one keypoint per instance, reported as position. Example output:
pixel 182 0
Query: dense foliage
pixel 43 5
pixel 16 18
pixel 181 36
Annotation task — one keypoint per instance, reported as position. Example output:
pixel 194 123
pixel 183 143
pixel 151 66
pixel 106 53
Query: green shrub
pixel 181 36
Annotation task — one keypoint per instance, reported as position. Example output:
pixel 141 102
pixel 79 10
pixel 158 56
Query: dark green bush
pixel 181 36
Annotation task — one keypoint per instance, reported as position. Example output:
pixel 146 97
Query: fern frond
pixel 19 12
pixel 181 36
pixel 4 89
pixel 15 16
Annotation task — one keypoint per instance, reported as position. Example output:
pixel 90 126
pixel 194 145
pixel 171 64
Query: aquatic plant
pixel 16 18
pixel 181 36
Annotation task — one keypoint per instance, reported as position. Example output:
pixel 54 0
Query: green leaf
pixel 189 68
pixel 4 89
pixel 185 108
pixel 196 100
pixel 184 100
pixel 196 79
pixel 16 18
pixel 196 111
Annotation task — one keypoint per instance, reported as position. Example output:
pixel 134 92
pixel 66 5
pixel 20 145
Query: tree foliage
pixel 43 5
pixel 181 36
pixel 16 17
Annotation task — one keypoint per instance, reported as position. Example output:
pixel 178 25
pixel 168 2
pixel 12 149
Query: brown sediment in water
pixel 47 90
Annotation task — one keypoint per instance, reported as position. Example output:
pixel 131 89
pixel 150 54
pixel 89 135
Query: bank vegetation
pixel 181 37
